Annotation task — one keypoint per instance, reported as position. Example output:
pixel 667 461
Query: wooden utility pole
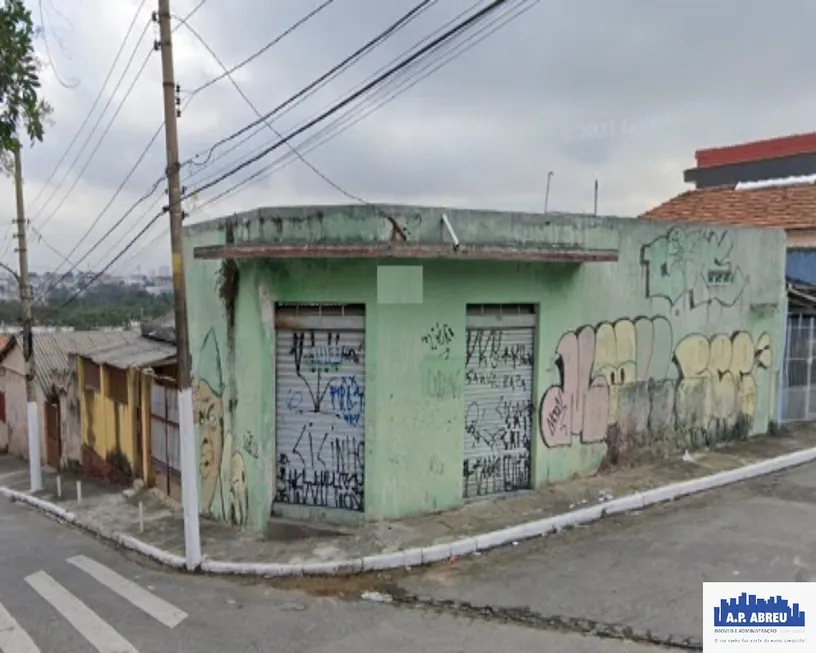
pixel 26 299
pixel 189 469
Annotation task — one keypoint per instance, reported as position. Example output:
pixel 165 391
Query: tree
pixel 21 107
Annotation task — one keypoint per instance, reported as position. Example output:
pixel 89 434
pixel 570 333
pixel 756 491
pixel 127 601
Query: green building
pixel 361 363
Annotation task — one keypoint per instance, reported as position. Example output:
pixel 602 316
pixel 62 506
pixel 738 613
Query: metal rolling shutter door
pixel 498 399
pixel 320 390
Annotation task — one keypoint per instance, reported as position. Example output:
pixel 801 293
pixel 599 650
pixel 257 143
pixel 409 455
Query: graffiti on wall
pixel 441 375
pixel 696 265
pixel 320 431
pixel 594 362
pixel 222 469
pixel 628 375
pixel 438 339
pixel 498 425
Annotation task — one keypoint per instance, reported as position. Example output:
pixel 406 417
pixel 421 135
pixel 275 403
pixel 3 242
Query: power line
pixel 48 51
pixel 258 53
pixel 104 133
pixel 402 65
pixel 249 102
pixel 367 79
pixel 95 102
pixel 106 234
pixel 150 209
pixel 119 189
pixel 110 264
pixel 354 56
pixel 314 86
pixel 84 122
pixel 343 121
pixel 461 26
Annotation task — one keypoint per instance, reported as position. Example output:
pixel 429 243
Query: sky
pixel 622 92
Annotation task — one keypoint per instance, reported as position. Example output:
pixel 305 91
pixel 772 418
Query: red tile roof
pixel 790 207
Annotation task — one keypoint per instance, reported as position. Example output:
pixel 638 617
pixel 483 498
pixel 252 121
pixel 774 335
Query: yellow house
pixel 116 388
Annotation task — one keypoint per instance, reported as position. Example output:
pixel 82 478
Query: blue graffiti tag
pixel 347 399
pixel 293 400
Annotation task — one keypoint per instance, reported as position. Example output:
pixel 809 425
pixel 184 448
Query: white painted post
pixel 59 486
pixel 79 492
pixel 34 462
pixel 189 479
pixel 141 517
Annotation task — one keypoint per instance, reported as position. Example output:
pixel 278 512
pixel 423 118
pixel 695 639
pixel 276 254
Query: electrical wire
pixel 99 142
pixel 91 110
pixel 110 264
pixel 312 88
pixel 113 228
pixel 268 124
pixel 59 79
pixel 404 53
pixel 353 57
pixel 119 189
pixel 472 20
pixel 343 121
pixel 227 72
pixel 84 122
pixel 462 25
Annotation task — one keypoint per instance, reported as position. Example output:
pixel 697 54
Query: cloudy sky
pixel 622 91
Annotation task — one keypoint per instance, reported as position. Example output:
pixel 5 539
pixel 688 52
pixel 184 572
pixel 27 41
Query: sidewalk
pixel 108 510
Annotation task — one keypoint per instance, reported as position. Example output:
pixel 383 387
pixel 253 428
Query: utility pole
pixel 26 297
pixel 189 469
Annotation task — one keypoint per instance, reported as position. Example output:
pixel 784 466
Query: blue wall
pixel 801 265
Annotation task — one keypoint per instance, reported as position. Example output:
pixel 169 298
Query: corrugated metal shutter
pixel 320 377
pixel 498 399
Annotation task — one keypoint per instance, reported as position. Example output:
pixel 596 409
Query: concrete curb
pixel 436 552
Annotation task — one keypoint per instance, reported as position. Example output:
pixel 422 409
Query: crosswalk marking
pixel 93 628
pixel 157 608
pixel 13 639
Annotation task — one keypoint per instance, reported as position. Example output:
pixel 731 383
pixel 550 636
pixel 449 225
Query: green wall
pixel 675 346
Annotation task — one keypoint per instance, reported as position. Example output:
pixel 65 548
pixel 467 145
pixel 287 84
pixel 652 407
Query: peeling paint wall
pixel 675 346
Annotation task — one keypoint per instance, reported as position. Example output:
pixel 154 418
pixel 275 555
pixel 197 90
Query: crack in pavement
pixel 558 623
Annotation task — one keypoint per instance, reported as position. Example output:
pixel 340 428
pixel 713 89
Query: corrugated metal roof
pixel 163 328
pixel 51 349
pixel 140 352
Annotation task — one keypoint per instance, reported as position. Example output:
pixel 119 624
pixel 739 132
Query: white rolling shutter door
pixel 320 390
pixel 498 399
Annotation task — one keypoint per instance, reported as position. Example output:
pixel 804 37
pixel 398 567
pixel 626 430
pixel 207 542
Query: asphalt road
pixel 642 571
pixel 61 591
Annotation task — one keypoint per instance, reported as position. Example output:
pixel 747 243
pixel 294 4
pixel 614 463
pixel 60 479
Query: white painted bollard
pixel 34 460
pixel 59 486
pixel 189 476
pixel 79 492
pixel 141 517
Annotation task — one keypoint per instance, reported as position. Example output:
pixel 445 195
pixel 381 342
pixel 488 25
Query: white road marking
pixel 13 639
pixel 159 609
pixel 90 625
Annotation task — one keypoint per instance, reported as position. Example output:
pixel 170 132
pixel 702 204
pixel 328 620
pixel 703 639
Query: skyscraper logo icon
pixel 749 610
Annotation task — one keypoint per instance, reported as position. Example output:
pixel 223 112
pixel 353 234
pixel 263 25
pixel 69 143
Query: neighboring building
pixel 769 183
pixel 343 375
pixel 117 386
pixel 51 352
